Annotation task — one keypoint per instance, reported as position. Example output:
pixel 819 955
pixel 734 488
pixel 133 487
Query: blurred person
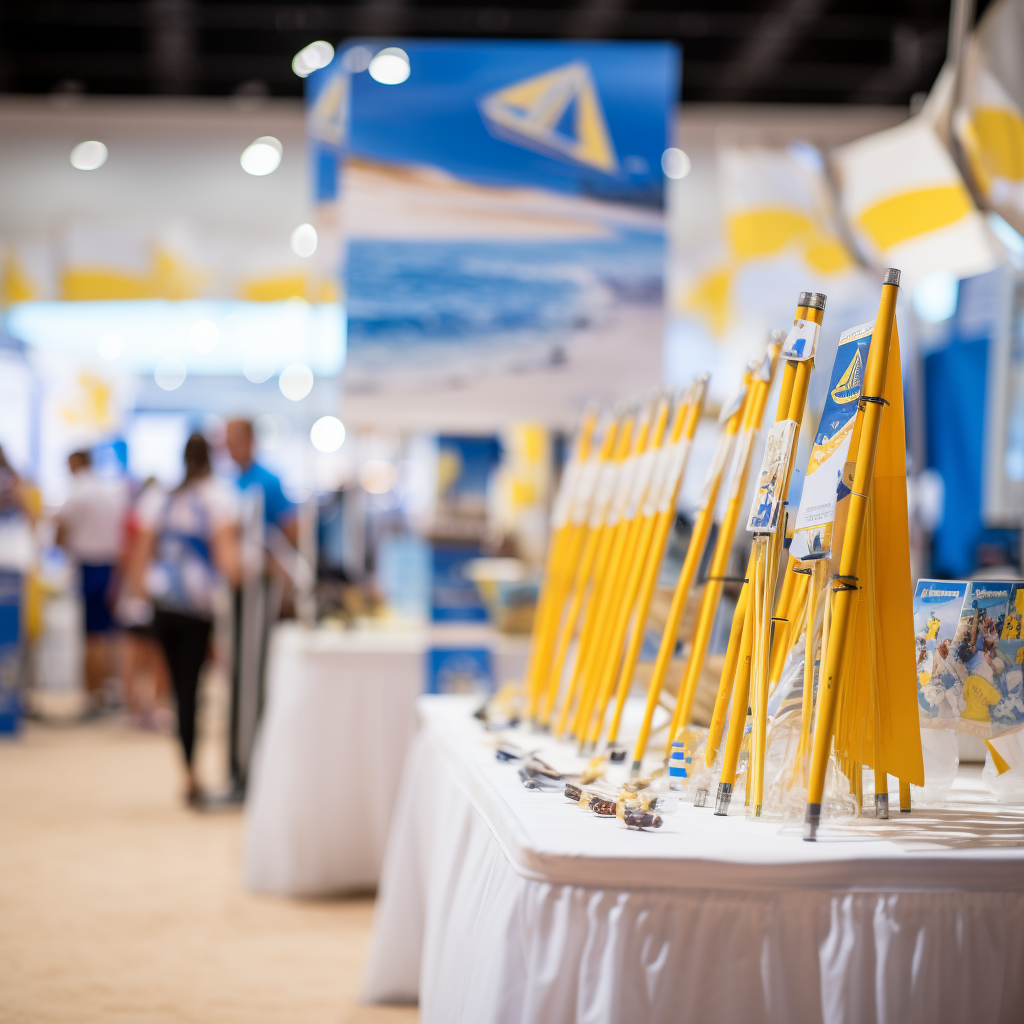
pixel 143 668
pixel 266 592
pixel 90 528
pixel 20 507
pixel 188 546
pixel 277 509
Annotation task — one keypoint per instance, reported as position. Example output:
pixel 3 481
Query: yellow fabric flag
pixel 908 206
pixel 881 651
pixel 989 122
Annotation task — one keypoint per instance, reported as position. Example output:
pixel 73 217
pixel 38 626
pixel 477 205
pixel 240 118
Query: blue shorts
pixel 96 594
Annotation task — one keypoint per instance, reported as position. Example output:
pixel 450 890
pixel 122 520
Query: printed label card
pixel 815 521
pixel 768 498
pixel 802 341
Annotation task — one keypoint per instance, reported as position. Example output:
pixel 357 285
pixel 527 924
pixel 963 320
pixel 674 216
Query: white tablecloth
pixel 498 904
pixel 339 717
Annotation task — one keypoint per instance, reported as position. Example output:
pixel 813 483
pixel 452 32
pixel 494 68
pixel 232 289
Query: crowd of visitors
pixel 155 568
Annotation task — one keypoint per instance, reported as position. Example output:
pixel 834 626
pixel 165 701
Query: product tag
pixel 802 341
pixel 562 505
pixel 641 481
pixel 718 464
pixel 603 493
pixel 768 498
pixel 812 536
pixel 585 488
pixel 674 475
pixel 623 489
pixel 734 483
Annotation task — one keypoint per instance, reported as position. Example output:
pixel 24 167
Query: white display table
pixel 500 904
pixel 338 720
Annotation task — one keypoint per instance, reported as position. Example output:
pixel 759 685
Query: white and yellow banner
pixel 908 207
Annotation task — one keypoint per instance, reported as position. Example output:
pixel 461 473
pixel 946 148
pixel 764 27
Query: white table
pixel 499 904
pixel 339 716
pixel 338 721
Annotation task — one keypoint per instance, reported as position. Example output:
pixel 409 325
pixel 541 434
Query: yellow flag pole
pixel 792 398
pixel 643 508
pixel 661 510
pixel 559 550
pixel 629 527
pixel 694 553
pixel 871 398
pixel 593 564
pixel 618 527
pixel 586 540
pixel 723 547
pixel 728 677
pixel 760 666
pixel 817 591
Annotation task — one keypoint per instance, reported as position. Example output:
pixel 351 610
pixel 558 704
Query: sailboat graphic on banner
pixel 848 388
pixel 557 113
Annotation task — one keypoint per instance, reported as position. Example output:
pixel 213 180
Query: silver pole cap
pixel 813 300
pixel 892 276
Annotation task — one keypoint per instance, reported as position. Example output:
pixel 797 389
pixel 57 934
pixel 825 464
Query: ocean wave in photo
pixel 492 294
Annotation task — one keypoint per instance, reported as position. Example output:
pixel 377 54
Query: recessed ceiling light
pixel 296 381
pixel 313 57
pixel 304 240
pixel 327 434
pixel 390 66
pixel 88 156
pixel 262 157
pixel 170 373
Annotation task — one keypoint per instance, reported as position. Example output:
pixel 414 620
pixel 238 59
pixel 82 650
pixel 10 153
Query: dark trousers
pixel 184 639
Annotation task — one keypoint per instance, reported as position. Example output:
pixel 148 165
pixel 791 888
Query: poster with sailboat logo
pixel 823 485
pixel 503 212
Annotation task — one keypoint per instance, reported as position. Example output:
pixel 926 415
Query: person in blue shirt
pixel 250 633
pixel 277 509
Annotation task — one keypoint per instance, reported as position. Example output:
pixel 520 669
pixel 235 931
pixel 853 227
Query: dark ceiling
pixel 871 51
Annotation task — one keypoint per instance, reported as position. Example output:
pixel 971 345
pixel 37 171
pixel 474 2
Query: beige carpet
pixel 118 904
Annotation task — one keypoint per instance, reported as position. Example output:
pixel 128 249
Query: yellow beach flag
pixel 779 231
pixel 989 121
pixel 878 723
pixel 867 693
pixel 907 204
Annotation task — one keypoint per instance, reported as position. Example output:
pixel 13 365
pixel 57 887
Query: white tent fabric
pixel 502 905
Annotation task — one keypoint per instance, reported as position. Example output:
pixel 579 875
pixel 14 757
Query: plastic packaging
pixel 941 759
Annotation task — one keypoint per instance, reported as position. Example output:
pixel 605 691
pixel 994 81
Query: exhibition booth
pixel 649 636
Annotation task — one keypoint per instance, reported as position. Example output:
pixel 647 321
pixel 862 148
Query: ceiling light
pixel 327 434
pixel 87 156
pixel 675 163
pixel 110 345
pixel 313 57
pixel 204 335
pixel 170 373
pixel 304 240
pixel 390 66
pixel 935 297
pixel 296 381
pixel 258 365
pixel 262 157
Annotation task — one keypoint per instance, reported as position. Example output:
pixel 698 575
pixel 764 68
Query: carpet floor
pixel 119 904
